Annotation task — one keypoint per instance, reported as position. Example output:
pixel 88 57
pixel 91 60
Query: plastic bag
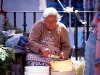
pixel 17 42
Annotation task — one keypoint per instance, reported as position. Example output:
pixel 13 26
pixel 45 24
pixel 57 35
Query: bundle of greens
pixel 7 56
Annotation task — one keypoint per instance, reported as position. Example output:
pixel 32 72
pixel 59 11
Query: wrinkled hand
pixel 46 52
pixel 61 55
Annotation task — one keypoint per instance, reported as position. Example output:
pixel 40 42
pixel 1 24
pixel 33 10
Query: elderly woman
pixel 48 37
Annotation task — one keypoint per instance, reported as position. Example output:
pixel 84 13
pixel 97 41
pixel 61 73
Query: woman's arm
pixel 34 38
pixel 65 43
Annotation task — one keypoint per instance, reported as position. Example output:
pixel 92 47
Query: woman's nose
pixel 51 23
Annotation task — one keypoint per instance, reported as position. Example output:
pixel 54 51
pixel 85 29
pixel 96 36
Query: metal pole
pixel 69 16
pixel 84 7
pixel 76 39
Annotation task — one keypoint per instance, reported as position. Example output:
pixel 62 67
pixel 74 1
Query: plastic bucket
pixel 36 70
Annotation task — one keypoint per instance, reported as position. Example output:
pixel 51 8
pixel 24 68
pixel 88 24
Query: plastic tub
pixel 36 70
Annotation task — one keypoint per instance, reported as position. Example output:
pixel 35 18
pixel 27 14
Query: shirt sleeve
pixel 65 43
pixel 34 38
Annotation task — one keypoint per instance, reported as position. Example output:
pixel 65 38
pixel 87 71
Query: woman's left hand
pixel 61 55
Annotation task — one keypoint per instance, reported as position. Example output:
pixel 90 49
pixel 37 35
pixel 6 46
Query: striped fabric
pixel 35 57
pixel 36 63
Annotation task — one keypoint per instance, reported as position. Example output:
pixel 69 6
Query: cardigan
pixel 59 34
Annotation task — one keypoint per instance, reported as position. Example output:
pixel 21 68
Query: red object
pixel 2 11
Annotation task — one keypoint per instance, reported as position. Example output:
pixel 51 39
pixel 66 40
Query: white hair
pixel 51 11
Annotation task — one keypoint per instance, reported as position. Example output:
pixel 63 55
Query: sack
pixel 17 42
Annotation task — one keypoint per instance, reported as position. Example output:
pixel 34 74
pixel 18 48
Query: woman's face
pixel 51 22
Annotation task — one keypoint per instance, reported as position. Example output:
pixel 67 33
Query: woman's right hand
pixel 45 51
pixel 61 55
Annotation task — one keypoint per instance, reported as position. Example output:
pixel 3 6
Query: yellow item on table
pixel 56 58
pixel 80 68
pixel 61 66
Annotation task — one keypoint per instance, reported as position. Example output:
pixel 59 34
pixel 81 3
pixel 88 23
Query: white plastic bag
pixel 17 42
